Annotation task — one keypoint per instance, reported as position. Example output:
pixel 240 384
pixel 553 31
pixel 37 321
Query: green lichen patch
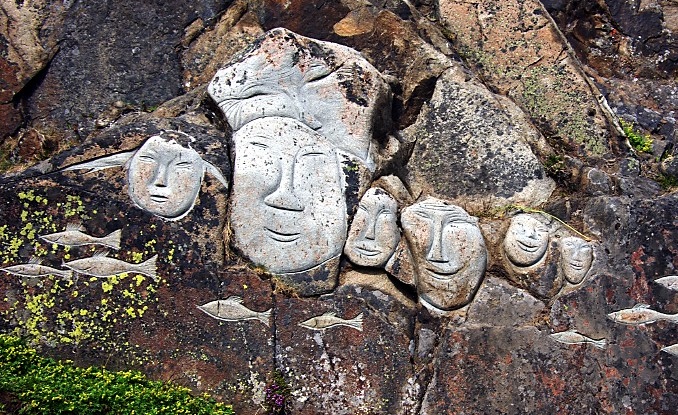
pixel 45 386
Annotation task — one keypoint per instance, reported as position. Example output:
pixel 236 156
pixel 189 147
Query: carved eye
pixel 252 91
pixel 312 151
pixel 184 165
pixel 421 214
pixel 363 208
pixel 147 159
pixel 260 145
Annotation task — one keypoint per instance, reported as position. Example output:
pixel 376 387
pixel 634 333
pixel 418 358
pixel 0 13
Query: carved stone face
pixel 448 250
pixel 576 259
pixel 165 178
pixel 526 240
pixel 288 211
pixel 374 233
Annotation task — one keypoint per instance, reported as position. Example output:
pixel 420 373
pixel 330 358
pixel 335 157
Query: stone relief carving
pixel 526 241
pixel 329 87
pixel 374 233
pixel 448 251
pixel 288 209
pixel 164 175
pixel 232 309
pixel 576 259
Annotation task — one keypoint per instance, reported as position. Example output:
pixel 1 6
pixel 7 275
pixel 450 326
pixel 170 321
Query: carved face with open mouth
pixel 165 177
pixel 576 259
pixel 288 211
pixel 526 240
pixel 448 250
pixel 374 233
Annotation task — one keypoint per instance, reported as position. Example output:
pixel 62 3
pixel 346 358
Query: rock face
pixel 404 208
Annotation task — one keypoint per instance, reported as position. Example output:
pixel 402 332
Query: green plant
pixel 45 386
pixel 638 141
pixel 667 182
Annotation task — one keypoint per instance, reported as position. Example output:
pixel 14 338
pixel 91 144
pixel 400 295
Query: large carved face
pixel 288 211
pixel 526 240
pixel 374 233
pixel 448 250
pixel 164 177
pixel 576 259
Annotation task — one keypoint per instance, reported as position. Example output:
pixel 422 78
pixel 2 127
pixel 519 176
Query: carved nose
pixel 160 176
pixel 283 197
pixel 435 252
pixel 370 230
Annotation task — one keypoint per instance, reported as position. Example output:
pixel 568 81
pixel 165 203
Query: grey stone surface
pixel 448 252
pixel 576 259
pixel 470 149
pixel 288 207
pixel 374 233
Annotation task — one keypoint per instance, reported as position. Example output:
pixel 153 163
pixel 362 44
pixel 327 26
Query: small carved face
pixel 526 240
pixel 165 178
pixel 288 211
pixel 374 233
pixel 576 259
pixel 448 250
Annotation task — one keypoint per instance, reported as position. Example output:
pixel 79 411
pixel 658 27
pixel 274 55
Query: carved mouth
pixel 442 274
pixel 282 236
pixel 577 266
pixel 159 198
pixel 529 246
pixel 366 251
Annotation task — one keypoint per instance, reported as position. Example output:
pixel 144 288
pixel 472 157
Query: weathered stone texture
pixel 469 149
pixel 520 53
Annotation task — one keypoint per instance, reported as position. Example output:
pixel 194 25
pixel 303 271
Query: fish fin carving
pixel 641 306
pixel 356 322
pixel 234 299
pixel 265 317
pixel 112 240
pixel 330 314
pixel 601 344
pixel 75 227
pixel 149 268
pixel 101 253
pixel 35 261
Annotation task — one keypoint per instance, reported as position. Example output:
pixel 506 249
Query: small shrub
pixel 638 141
pixel 46 386
pixel 276 394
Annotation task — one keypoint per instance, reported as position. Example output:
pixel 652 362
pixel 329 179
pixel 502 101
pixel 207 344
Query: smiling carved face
pixel 448 250
pixel 374 233
pixel 164 177
pixel 526 240
pixel 576 259
pixel 288 211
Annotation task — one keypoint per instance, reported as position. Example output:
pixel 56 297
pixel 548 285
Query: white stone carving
pixel 374 233
pixel 448 250
pixel 288 209
pixel 526 241
pixel 329 87
pixel 163 176
pixel 576 259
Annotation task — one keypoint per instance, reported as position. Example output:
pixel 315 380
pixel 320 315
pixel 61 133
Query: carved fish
pixel 670 282
pixel 640 314
pixel 35 269
pixel 572 337
pixel 74 236
pixel 100 265
pixel 330 319
pixel 673 349
pixel 232 309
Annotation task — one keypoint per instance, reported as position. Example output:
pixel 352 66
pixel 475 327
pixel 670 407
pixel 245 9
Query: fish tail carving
pixel 601 344
pixel 357 322
pixel 265 317
pixel 148 267
pixel 112 240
